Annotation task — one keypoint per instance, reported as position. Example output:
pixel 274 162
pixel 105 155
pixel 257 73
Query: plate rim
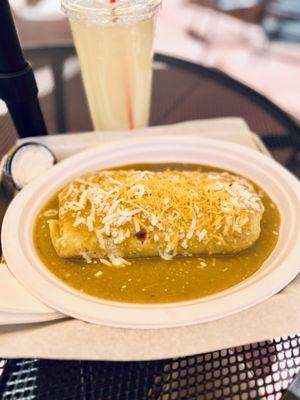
pixel 131 142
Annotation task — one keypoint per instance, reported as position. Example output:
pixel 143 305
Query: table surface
pixel 181 91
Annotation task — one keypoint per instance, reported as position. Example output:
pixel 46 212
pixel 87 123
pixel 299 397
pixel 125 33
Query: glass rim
pixel 137 9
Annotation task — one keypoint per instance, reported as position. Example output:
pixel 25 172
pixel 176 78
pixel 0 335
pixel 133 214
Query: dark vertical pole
pixel 59 97
pixel 17 83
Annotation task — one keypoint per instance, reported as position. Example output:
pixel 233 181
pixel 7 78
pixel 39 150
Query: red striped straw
pixel 113 10
pixel 129 107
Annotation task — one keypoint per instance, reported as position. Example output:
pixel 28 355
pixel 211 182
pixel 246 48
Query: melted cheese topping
pixel 173 206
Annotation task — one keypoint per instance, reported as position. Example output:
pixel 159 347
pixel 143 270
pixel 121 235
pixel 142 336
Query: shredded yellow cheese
pixel 174 207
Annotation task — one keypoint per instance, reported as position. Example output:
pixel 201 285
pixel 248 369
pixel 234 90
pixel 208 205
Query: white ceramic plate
pixel 280 268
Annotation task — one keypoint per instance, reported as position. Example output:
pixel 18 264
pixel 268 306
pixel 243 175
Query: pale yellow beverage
pixel 116 55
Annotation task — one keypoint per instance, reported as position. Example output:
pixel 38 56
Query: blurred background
pixel 255 41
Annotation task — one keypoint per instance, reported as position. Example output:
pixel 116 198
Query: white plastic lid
pixel 105 11
pixel 28 162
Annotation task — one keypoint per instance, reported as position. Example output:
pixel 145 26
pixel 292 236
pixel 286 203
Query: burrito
pixel 116 215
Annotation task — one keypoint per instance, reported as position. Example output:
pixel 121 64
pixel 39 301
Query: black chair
pixel 282 21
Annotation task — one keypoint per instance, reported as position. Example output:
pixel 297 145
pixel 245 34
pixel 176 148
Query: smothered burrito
pixel 121 214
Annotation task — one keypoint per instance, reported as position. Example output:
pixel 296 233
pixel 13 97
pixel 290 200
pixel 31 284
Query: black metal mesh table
pixel 182 91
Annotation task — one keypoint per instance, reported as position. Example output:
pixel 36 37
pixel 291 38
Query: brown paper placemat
pixel 72 339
